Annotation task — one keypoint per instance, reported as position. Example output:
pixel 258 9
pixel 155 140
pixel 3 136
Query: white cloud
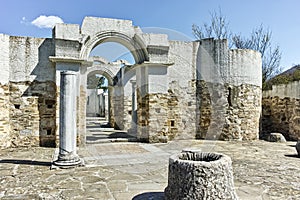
pixel 24 21
pixel 46 21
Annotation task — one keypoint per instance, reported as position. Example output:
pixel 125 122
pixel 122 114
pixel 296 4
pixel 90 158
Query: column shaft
pixel 67 131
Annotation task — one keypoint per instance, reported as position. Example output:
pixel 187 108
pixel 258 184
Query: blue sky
pixel 280 16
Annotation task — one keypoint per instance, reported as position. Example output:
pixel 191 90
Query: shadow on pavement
pixel 292 155
pixel 25 162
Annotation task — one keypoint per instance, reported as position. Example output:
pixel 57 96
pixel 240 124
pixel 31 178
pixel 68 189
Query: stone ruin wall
pixel 228 92
pixel 233 115
pixel 281 111
pixel 28 95
pixel 121 106
pixel 179 112
pixel 118 111
pixel 5 136
pixel 81 114
pixel 32 118
pixel 182 88
pixel 172 114
pixel 228 109
pixel 127 120
pixel 143 116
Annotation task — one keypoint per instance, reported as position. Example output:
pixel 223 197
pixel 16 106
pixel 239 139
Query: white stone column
pixel 67 131
pixel 133 105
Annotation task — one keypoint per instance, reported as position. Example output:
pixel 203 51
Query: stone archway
pixel 73 45
pixel 134 44
pixel 120 118
pixel 109 71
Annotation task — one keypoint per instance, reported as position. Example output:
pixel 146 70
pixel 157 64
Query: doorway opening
pixel 109 94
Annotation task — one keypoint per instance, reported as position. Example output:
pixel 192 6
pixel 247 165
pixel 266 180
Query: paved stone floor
pixel 262 170
pixel 98 131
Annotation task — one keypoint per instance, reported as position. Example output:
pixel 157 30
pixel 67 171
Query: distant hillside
pixel 291 70
pixel 292 74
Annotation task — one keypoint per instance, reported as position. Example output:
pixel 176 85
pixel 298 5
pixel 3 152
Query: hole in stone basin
pixel 172 123
pixel 17 106
pixel 199 156
pixel 49 131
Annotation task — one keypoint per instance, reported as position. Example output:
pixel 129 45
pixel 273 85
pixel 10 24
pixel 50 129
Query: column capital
pixel 56 59
pixel 59 59
pixel 148 64
pixel 69 63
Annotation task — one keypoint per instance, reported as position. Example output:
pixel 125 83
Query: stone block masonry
pixel 281 111
pixel 228 92
pixel 228 112
pixel 32 113
pixel 171 115
pixel 281 115
pixel 28 92
pixel 242 113
pixel 5 136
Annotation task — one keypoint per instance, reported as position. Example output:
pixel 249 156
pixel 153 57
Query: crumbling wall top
pixel 93 25
pixel 67 32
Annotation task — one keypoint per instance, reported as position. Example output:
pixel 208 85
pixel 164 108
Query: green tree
pixel 101 84
pixel 97 82
pixel 92 82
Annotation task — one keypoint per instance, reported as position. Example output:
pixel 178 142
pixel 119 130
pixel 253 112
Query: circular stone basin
pixel 200 175
pixel 199 156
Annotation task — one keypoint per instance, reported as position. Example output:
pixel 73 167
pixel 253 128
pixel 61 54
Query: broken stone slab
pixel 298 148
pixel 276 137
pixel 200 175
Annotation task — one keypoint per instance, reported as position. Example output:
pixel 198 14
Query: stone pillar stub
pixel 67 129
pixel 142 103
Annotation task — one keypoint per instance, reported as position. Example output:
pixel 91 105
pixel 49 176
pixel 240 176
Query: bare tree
pixel 259 40
pixel 217 28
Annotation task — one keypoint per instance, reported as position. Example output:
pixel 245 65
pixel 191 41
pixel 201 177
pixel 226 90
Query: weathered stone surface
pixel 5 136
pixel 29 93
pixel 276 137
pixel 33 113
pixel 290 90
pixel 141 170
pixel 228 112
pixel 171 115
pixel 200 175
pixel 281 115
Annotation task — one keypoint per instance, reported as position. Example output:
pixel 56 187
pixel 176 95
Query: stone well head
pixel 200 175
pixel 197 156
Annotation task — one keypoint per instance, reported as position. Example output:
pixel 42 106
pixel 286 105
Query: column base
pixel 67 161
